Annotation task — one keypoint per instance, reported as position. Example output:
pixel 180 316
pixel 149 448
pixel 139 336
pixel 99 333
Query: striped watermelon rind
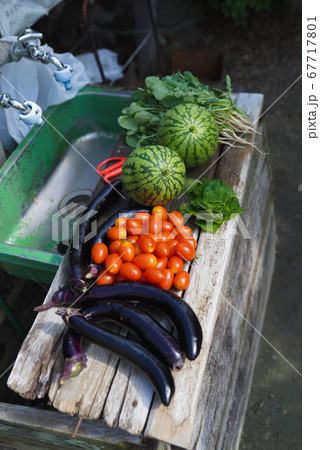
pixel 153 175
pixel 191 131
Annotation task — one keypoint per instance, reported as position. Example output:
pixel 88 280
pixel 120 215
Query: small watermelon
pixel 191 131
pixel 153 175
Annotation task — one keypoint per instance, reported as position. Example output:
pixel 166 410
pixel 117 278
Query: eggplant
pixel 76 360
pixel 76 262
pixel 151 333
pixel 178 311
pixel 155 370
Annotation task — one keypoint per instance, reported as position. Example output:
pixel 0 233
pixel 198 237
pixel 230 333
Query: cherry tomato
pixel 121 222
pixel 165 236
pixel 155 224
pixel 132 239
pixel 134 226
pixel 143 277
pixel 161 263
pixel 105 278
pixel 99 252
pixel 153 275
pixel 119 278
pixel 189 241
pixel 181 280
pixel 175 264
pixel 185 251
pixel 142 215
pixel 114 246
pixel 117 233
pixel 168 279
pixel 137 250
pixel 130 271
pixel 160 210
pixel 113 263
pixel 126 251
pixel 183 230
pixel 167 226
pixel 172 245
pixel 162 249
pixel 147 244
pixel 145 260
pixel 175 218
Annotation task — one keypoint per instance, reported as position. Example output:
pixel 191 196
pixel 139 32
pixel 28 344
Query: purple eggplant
pixel 177 310
pixel 155 370
pixel 76 360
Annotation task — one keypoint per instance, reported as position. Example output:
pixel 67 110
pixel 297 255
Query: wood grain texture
pixel 230 281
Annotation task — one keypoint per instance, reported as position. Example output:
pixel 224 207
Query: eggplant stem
pixel 77 428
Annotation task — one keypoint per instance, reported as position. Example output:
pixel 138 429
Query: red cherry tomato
pixel 117 233
pixel 134 226
pixel 142 216
pixel 130 271
pixel 165 236
pixel 99 252
pixel 189 241
pixel 162 249
pixel 113 263
pixel 121 222
pixel 132 239
pixel 168 279
pixel 155 224
pixel 145 260
pixel 183 230
pixel 137 250
pixel 105 278
pixel 119 278
pixel 181 280
pixel 185 251
pixel 167 226
pixel 126 251
pixel 161 263
pixel 147 244
pixel 172 245
pixel 153 275
pixel 114 246
pixel 175 218
pixel 175 264
pixel 160 210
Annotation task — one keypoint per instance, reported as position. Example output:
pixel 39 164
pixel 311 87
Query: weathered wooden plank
pixel 175 423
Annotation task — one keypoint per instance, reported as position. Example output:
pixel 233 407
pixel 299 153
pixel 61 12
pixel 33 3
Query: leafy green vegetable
pixel 140 120
pixel 211 202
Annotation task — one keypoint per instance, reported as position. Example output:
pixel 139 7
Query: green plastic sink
pixel 53 167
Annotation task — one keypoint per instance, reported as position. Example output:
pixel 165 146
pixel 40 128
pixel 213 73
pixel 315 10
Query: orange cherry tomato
pixel 142 215
pixel 132 239
pixel 143 277
pixel 165 236
pixel 119 278
pixel 167 226
pixel 168 279
pixel 162 249
pixel 181 280
pixel 130 271
pixel 153 275
pixel 146 244
pixel 185 251
pixel 145 260
pixel 161 263
pixel 160 210
pixel 117 233
pixel 189 241
pixel 183 230
pixel 175 218
pixel 114 246
pixel 137 250
pixel 134 226
pixel 99 252
pixel 121 222
pixel 126 251
pixel 175 264
pixel 113 263
pixel 155 224
pixel 172 245
pixel 105 278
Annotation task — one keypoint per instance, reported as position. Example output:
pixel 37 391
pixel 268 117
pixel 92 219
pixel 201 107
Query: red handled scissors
pixel 113 170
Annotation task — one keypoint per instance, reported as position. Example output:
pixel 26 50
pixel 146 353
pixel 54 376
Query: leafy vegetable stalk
pixel 149 105
pixel 211 202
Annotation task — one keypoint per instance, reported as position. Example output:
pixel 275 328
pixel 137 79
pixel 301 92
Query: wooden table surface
pixel 229 286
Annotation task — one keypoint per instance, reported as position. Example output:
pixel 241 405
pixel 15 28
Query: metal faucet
pixel 31 113
pixel 28 44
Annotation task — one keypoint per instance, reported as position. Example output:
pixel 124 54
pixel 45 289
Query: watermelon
pixel 191 131
pixel 153 175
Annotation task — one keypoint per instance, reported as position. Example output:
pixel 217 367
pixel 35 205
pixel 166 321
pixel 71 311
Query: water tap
pixel 31 113
pixel 28 44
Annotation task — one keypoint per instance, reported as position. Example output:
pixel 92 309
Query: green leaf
pixel 151 81
pixel 128 123
pixel 160 90
pixel 143 117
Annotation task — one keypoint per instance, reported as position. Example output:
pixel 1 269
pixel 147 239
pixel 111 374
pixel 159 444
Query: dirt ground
pixel 263 57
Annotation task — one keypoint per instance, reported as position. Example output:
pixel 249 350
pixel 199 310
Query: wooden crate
pixel 228 290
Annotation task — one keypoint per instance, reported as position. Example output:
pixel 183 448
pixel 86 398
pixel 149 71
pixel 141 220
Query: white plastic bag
pixel 109 62
pixel 32 80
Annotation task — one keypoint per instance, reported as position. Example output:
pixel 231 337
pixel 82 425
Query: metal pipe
pixel 5 52
pixel 54 60
pixel 6 101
